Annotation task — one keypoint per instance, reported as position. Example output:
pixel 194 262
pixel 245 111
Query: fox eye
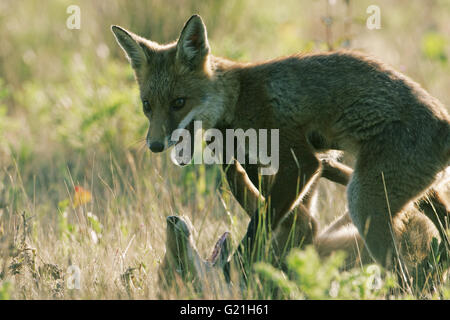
pixel 177 104
pixel 146 107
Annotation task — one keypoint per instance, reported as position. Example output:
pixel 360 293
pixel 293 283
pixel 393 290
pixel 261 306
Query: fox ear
pixel 130 43
pixel 193 46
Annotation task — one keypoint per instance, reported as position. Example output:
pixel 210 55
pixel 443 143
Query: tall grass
pixel 70 117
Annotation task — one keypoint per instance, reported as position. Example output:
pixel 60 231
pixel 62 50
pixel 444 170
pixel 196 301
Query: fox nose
pixel 156 146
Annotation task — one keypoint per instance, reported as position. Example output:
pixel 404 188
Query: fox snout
pixel 156 146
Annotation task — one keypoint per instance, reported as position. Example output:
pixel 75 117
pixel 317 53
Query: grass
pixel 78 189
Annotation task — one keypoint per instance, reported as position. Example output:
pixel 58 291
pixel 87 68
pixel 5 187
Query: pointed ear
pixel 130 43
pixel 193 46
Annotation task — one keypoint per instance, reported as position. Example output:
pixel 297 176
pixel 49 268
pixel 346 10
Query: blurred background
pixel 77 184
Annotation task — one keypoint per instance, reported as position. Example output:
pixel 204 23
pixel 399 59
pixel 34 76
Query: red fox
pixel 182 260
pixel 398 133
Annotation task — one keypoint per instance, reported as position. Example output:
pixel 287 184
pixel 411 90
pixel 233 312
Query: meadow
pixel 83 202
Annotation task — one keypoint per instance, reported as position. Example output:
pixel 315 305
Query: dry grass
pixel 70 116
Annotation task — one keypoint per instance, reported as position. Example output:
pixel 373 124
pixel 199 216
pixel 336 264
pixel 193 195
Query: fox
pixel 183 261
pixel 341 100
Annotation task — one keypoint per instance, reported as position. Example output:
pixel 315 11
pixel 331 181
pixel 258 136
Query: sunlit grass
pixel 78 186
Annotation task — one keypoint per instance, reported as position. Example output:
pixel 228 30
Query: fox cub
pixel 398 133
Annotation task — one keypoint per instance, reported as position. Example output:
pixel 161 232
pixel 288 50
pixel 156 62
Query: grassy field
pixel 81 194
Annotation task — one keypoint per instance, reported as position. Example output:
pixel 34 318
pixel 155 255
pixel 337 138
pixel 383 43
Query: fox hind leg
pixel 384 182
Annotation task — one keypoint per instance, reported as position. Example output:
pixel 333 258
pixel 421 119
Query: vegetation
pixel 81 197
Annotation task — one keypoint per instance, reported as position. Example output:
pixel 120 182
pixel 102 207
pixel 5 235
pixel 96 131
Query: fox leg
pixel 295 178
pixel 341 234
pixel 340 222
pixel 383 184
pixel 262 182
pixel 336 171
pixel 432 204
pixel 242 186
pixel 436 209
pixel 289 182
pixel 370 213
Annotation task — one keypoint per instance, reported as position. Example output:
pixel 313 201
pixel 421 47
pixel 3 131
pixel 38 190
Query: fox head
pixel 176 82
